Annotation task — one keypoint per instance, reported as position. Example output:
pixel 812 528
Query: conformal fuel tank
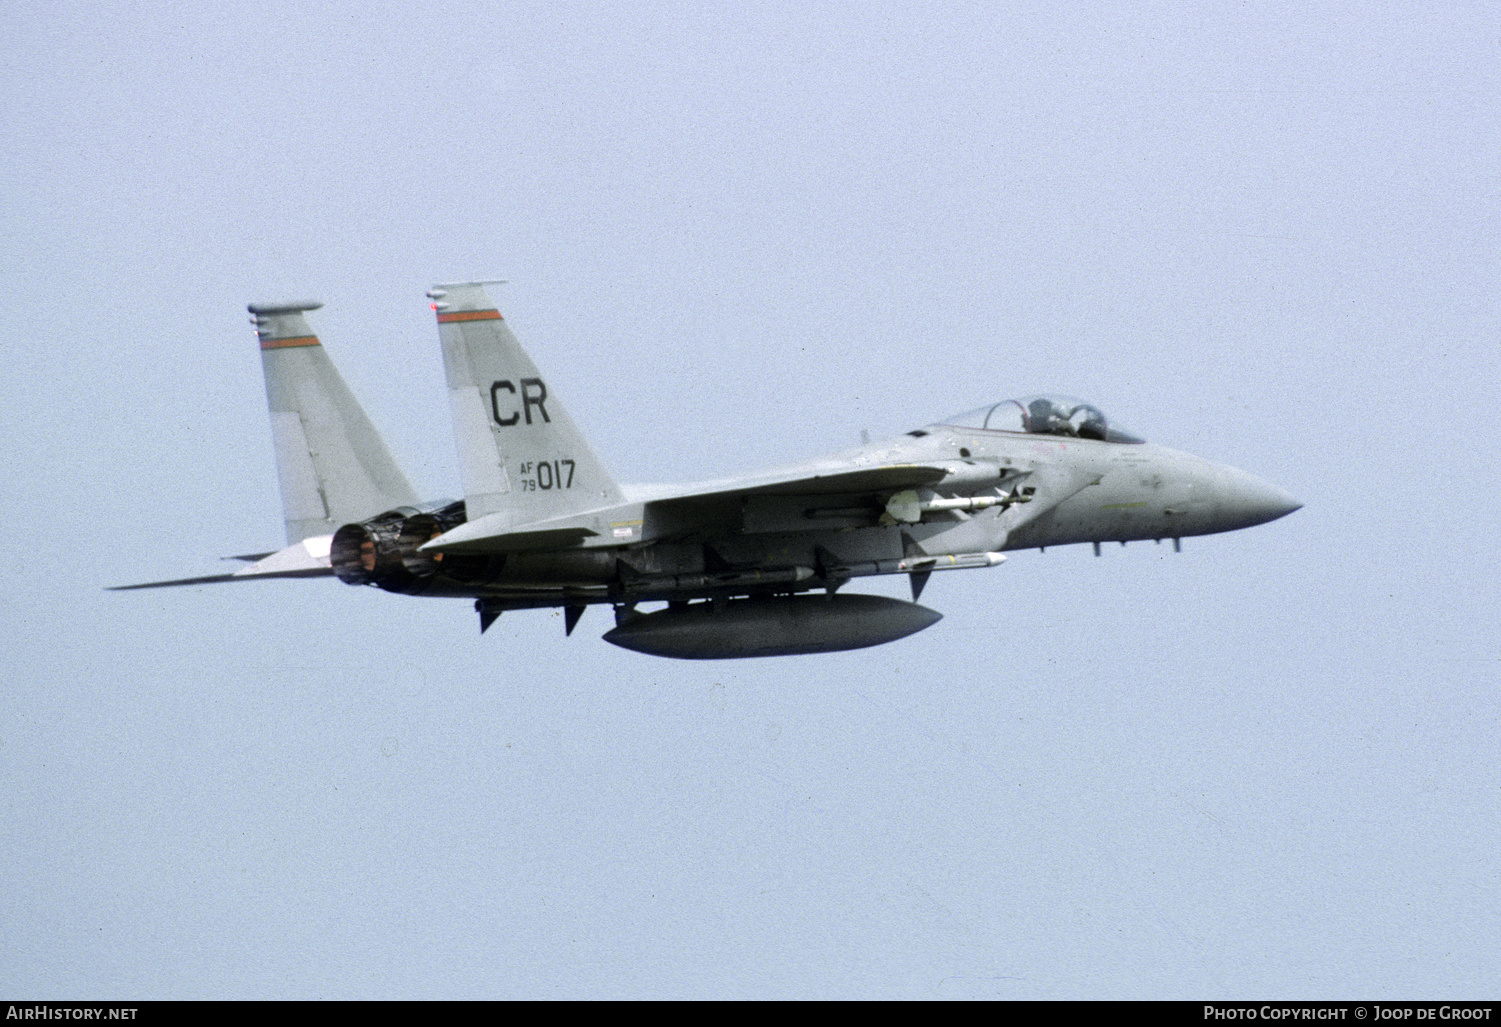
pixel 777 626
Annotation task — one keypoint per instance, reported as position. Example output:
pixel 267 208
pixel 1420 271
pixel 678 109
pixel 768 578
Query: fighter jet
pixel 747 566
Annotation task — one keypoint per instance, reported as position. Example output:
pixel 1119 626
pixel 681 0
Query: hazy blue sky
pixel 738 235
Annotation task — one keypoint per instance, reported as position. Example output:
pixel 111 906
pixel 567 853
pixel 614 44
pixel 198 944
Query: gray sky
pixel 1264 234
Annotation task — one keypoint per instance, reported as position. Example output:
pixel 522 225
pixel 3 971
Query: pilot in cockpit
pixel 1045 417
pixel 1088 422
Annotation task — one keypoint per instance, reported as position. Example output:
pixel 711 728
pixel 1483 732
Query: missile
pixel 959 503
pixel 774 626
pixel 920 564
pixel 668 583
pixel 908 506
pixel 954 562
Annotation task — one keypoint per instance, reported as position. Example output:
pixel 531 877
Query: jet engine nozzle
pixel 383 551
pixel 423 528
pixel 368 553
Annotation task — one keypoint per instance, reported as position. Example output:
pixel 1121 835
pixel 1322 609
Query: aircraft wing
pixel 832 482
pixel 661 512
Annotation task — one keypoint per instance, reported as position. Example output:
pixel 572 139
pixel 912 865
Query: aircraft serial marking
pixel 546 475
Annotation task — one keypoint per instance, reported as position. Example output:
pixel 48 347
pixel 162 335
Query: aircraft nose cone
pixel 1246 500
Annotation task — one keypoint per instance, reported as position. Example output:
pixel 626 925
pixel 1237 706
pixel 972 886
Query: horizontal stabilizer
pixel 485 537
pixel 217 579
pixel 305 559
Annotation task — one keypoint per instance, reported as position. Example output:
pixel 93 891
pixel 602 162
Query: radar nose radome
pixel 1246 500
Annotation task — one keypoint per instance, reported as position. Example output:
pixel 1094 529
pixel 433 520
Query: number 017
pixel 555 474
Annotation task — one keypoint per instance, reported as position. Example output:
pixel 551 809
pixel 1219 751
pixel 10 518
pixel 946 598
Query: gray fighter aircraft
pixel 738 562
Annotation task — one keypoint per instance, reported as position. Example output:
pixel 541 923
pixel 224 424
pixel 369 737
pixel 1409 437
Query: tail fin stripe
pixel 304 340
pixel 470 315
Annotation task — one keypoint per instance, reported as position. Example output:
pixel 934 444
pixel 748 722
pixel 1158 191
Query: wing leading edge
pixel 676 511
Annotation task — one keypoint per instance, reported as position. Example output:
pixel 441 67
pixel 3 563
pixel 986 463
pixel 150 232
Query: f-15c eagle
pixel 748 566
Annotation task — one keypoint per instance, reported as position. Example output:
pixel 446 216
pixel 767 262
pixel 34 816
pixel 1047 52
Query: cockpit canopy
pixel 1044 415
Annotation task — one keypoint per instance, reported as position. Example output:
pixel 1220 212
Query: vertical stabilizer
pixel 333 466
pixel 521 456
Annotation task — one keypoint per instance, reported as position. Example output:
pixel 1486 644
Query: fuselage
pixel 1117 492
pixel 1043 491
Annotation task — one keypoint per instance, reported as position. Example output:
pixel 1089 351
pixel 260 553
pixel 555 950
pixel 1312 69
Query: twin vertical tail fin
pixel 520 454
pixel 522 458
pixel 333 466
